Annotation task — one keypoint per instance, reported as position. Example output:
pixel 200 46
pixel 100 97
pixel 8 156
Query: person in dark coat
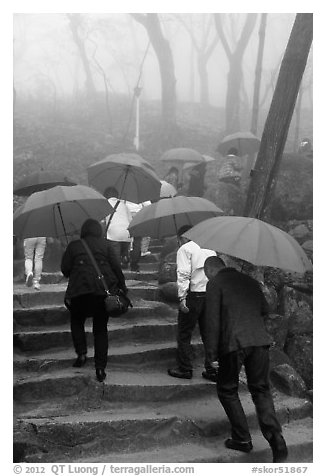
pixel 85 293
pixel 235 335
pixel 196 186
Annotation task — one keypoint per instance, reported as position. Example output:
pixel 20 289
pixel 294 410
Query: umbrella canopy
pixel 206 159
pixel 59 211
pixel 165 217
pixel 39 181
pixel 132 176
pixel 167 190
pixel 182 154
pixel 251 240
pixel 245 142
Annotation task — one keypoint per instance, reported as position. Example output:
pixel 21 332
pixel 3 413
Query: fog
pixel 47 61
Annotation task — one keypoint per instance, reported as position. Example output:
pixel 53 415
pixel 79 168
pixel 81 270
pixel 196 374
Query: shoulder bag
pixel 115 304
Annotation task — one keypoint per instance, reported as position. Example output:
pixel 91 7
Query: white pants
pixel 145 244
pixel 34 251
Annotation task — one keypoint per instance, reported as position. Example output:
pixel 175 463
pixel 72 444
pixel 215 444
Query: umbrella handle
pixel 176 230
pixel 124 182
pixel 63 225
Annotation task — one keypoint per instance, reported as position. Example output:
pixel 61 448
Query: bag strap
pixel 97 269
pixel 111 216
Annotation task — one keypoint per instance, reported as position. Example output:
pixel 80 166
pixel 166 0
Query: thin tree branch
pixel 221 35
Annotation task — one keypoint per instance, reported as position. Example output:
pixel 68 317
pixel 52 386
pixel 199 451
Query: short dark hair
pixel 214 262
pixel 91 227
pixel 233 151
pixel 183 229
pixel 111 192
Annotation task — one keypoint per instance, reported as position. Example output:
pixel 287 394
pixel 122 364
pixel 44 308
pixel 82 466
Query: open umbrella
pixel 181 155
pixel 244 142
pixel 59 211
pixel 132 176
pixel 41 180
pixel 206 159
pixel 251 240
pixel 165 217
pixel 167 190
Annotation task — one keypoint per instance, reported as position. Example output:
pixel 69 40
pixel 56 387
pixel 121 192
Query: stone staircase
pixel 139 414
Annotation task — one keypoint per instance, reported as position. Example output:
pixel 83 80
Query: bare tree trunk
pixel 279 117
pixel 204 52
pixel 232 105
pixel 75 22
pixel 192 73
pixel 203 75
pixel 298 120
pixel 255 105
pixel 165 59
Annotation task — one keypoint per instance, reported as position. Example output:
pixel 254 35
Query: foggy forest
pixel 76 77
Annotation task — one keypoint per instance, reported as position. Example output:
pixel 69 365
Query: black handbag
pixel 116 304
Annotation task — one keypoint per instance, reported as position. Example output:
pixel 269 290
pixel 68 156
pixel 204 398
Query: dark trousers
pixel 256 363
pixel 81 307
pixel 186 325
pixel 135 254
pixel 121 249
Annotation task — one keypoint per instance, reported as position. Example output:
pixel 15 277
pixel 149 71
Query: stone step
pixel 159 355
pixel 51 294
pixel 120 385
pixel 53 315
pixel 107 431
pixel 57 277
pixel 298 435
pixel 150 331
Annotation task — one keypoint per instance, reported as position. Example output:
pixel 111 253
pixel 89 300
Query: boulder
pixel 287 379
pixel 169 291
pixel 300 350
pixel 230 198
pixel 308 248
pixel 301 233
pixel 277 328
pixel 297 307
pixel 277 357
pixel 294 189
pixel 271 297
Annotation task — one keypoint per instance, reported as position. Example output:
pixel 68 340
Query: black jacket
pixel 77 266
pixel 235 306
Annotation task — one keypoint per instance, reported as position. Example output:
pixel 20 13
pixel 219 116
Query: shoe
pixel 37 286
pixel 245 446
pixel 279 448
pixel 147 253
pixel 100 375
pixel 80 361
pixel 29 280
pixel 180 373
pixel 209 375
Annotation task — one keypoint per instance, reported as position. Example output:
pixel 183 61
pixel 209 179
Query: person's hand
pixel 214 365
pixel 183 307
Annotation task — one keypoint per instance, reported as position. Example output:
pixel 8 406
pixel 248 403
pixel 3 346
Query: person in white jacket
pixel 191 280
pixel 117 226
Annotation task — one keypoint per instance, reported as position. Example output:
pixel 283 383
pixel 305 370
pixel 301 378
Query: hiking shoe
pixel 29 280
pixel 209 375
pixel 279 448
pixel 180 373
pixel 80 361
pixel 245 446
pixel 100 375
